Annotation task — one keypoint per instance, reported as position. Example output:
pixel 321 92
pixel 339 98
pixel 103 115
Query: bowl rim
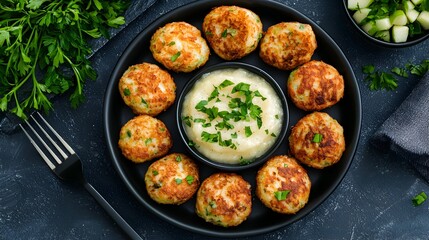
pixel 237 65
pixel 379 41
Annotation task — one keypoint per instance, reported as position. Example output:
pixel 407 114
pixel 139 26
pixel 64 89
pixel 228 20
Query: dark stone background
pixel 372 202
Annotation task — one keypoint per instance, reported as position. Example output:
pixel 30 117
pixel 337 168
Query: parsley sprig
pixel 43 49
pixel 378 80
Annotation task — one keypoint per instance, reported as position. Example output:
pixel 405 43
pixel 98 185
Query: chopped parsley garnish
pixel 247 131
pixel 189 179
pixel 175 56
pixel 378 80
pixel 178 180
pixel 229 31
pixel 201 105
pixel 144 102
pixel 128 133
pixel 187 120
pixel 212 204
pixel 171 43
pixel 214 94
pixel 281 195
pixel 245 161
pixel 241 108
pixel 127 92
pixel 419 69
pixel 317 138
pixel 226 83
pixel 154 172
pixel 419 199
pixel 209 137
pixel 178 158
pixel 148 141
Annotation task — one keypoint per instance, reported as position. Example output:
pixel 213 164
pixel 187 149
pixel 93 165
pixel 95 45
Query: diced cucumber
pixel 412 15
pixel 400 33
pixel 383 35
pixel 399 18
pixel 361 14
pixel 356 4
pixel 408 5
pixel 383 24
pixel 423 19
pixel 417 2
pixel 370 28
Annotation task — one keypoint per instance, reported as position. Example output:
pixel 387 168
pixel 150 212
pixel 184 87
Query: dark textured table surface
pixel 372 202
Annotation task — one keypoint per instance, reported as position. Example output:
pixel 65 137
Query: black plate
pixel 348 112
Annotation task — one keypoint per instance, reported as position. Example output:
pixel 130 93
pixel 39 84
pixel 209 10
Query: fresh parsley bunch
pixel 43 48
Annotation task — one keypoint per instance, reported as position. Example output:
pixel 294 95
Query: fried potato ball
pixel 317 140
pixel 315 85
pixel 287 45
pixel 173 179
pixel 147 89
pixel 283 185
pixel 232 32
pixel 224 199
pixel 180 47
pixel 144 138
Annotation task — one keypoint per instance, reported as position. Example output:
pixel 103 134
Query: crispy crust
pixel 173 179
pixel 317 154
pixel 147 89
pixel 287 45
pixel 315 86
pixel 283 173
pixel 224 199
pixel 180 47
pixel 232 32
pixel 144 138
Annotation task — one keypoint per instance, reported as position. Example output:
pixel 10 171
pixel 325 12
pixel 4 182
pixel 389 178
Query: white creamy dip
pixel 232 116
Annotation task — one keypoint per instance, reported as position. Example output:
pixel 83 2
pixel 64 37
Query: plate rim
pixel 252 232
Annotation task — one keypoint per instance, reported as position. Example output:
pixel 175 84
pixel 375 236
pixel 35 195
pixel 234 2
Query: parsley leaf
pixel 379 80
pixel 419 199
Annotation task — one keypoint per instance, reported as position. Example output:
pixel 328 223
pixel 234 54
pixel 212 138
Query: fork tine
pixel 65 144
pixel 49 137
pixel 43 142
pixel 42 154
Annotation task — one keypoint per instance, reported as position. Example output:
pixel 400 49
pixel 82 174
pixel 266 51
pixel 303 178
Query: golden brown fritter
pixel 180 47
pixel 287 45
pixel 315 86
pixel 283 185
pixel 144 138
pixel 317 140
pixel 232 32
pixel 173 179
pixel 147 89
pixel 224 199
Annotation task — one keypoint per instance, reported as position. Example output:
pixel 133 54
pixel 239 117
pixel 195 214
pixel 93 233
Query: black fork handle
pixel 112 212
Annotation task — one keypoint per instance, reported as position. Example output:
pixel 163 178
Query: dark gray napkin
pixel 406 131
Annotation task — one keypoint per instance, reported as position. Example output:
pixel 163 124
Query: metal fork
pixel 68 167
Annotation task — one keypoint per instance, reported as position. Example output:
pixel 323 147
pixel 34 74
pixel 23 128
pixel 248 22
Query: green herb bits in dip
pixel 232 116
